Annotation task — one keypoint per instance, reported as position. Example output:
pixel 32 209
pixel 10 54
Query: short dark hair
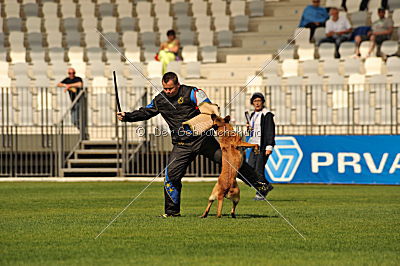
pixel 170 76
pixel 257 95
pixel 171 33
pixel 381 9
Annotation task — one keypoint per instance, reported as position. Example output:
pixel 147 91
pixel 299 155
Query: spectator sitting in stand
pixel 337 30
pixel 313 17
pixel 382 30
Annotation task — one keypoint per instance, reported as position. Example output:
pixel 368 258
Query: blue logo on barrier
pixel 284 161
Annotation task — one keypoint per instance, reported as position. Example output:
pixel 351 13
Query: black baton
pixel 247 115
pixel 116 93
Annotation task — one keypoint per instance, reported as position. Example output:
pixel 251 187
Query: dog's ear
pixel 213 117
pixel 227 119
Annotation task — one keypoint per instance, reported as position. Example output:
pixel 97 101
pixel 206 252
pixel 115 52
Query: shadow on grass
pixel 289 200
pixel 241 216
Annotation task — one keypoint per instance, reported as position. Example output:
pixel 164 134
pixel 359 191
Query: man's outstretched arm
pixel 144 113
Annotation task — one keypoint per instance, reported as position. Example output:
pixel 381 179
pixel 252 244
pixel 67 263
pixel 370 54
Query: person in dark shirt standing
pixel 73 85
pixel 178 103
pixel 262 132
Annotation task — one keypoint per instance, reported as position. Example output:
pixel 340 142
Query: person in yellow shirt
pixel 168 50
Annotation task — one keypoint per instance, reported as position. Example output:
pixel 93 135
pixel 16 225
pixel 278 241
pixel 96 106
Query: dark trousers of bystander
pixel 313 26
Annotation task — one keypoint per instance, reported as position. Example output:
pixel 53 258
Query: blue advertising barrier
pixel 335 160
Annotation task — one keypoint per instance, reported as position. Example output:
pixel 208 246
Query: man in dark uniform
pixel 178 103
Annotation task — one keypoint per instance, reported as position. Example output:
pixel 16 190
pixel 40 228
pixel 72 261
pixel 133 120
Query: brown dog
pixel 232 160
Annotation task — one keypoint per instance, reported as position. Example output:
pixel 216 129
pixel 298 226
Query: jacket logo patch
pixel 180 100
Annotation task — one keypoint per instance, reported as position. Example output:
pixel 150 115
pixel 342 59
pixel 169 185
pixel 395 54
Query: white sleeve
pixel 328 26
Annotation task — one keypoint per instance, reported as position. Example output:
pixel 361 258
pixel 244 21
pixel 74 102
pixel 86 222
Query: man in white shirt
pixel 337 30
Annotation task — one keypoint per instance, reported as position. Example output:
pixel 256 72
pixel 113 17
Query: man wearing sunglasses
pixel 178 103
pixel 73 85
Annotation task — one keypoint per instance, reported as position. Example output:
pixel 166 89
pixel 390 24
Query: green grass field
pixel 53 223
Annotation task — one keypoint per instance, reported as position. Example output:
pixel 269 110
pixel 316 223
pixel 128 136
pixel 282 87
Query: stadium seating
pixel 55 35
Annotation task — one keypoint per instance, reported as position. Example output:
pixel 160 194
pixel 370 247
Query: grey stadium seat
pixel 30 10
pixel 148 38
pixel 2 40
pixel 184 23
pixel 35 39
pixel 180 9
pixel 112 37
pixel 73 39
pixel 241 23
pixel 14 24
pixel 37 54
pixel 127 24
pixel 224 38
pixel 71 24
pixel 209 54
pixel 106 10
pixel 256 8
pixel 186 37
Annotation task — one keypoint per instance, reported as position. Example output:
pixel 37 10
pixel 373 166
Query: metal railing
pixel 72 129
pixel 39 136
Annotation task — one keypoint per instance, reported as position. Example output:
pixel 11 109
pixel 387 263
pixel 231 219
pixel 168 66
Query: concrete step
pixel 249 59
pixel 105 144
pixel 92 172
pixel 271 25
pixel 93 163
pixel 284 9
pixel 224 71
pixel 98 153
pixel 250 41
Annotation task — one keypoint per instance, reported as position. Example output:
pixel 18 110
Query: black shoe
pixel 166 215
pixel 258 197
pixel 264 188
